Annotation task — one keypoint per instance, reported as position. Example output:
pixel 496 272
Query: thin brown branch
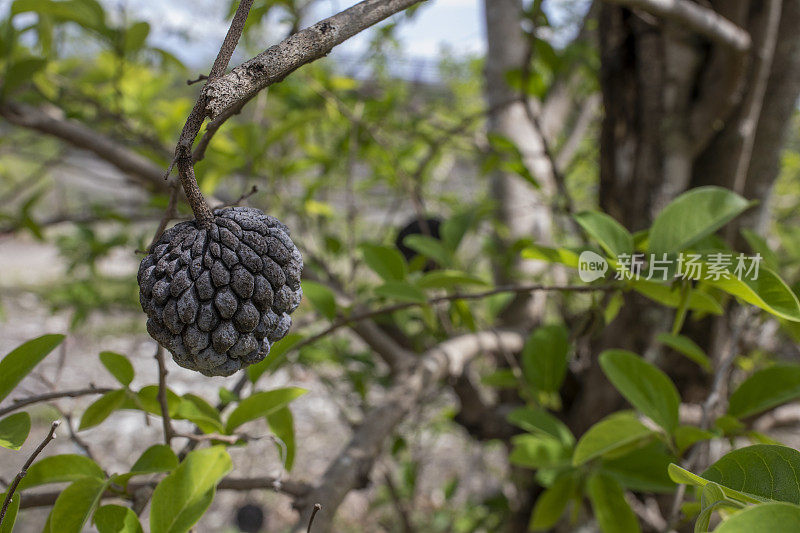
pixel 695 17
pixel 169 433
pixel 51 121
pixel 305 46
pixel 19 403
pixel 352 467
pixel 10 492
pixel 183 151
pixel 317 508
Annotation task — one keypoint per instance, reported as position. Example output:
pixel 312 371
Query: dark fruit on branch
pixel 218 298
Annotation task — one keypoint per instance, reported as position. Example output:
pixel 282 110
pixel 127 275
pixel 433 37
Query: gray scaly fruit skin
pixel 218 298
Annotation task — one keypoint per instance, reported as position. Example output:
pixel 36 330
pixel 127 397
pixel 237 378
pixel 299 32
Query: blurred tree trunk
pixel 680 112
pixel 523 212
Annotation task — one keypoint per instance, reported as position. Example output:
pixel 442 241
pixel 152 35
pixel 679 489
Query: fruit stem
pixel 202 212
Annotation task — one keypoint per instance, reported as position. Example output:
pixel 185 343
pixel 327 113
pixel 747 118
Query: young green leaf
pixel 643 469
pixel 538 451
pixel 562 256
pixel 539 421
pixel 671 296
pixel 119 366
pixel 14 430
pixel 765 389
pixel 646 387
pixel 616 432
pixel 181 498
pixel 75 505
pixel 544 357
pixel 430 248
pixel 102 408
pixel 321 297
pixel 385 261
pixel 11 513
pixel 447 279
pixel 764 517
pixel 768 292
pixel 686 346
pixel 692 216
pixel 552 502
pixel 261 404
pixel 61 468
pixel 401 291
pixel 609 234
pixel 612 512
pixel 116 519
pixel 17 364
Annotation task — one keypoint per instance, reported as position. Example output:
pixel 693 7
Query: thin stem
pixel 183 151
pixel 169 433
pixel 317 508
pixel 20 403
pixel 10 493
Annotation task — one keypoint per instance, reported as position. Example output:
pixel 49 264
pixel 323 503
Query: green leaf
pixel 385 261
pixel 539 421
pixel 619 431
pixel 276 356
pixel 447 279
pixel 683 476
pixel 454 228
pixel 671 296
pixel 768 292
pixel 20 72
pixel 119 366
pixel 693 215
pixel 646 387
pixel 102 408
pixel 14 430
pixel 136 36
pixel 261 404
pixel 75 505
pixel 609 234
pixel 281 423
pixel 759 245
pixel 502 378
pixel 552 502
pixel 685 436
pixel 686 346
pixel 116 519
pixel 765 389
pixel 430 247
pixel 538 451
pixel 764 517
pixel 201 413
pixel 60 468
pixel 156 458
pixel 17 364
pixel 11 513
pixel 612 512
pixel 181 498
pixel 764 471
pixel 643 469
pixel 544 357
pixel 551 255
pixel 321 297
pixel 401 291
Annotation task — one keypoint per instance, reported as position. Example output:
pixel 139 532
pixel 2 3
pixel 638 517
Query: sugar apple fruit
pixel 218 298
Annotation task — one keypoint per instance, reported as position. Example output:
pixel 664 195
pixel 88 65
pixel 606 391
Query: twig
pixel 169 433
pixel 22 402
pixel 317 508
pixel 10 493
pixel 183 151
pixel 253 190
pixel 199 78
